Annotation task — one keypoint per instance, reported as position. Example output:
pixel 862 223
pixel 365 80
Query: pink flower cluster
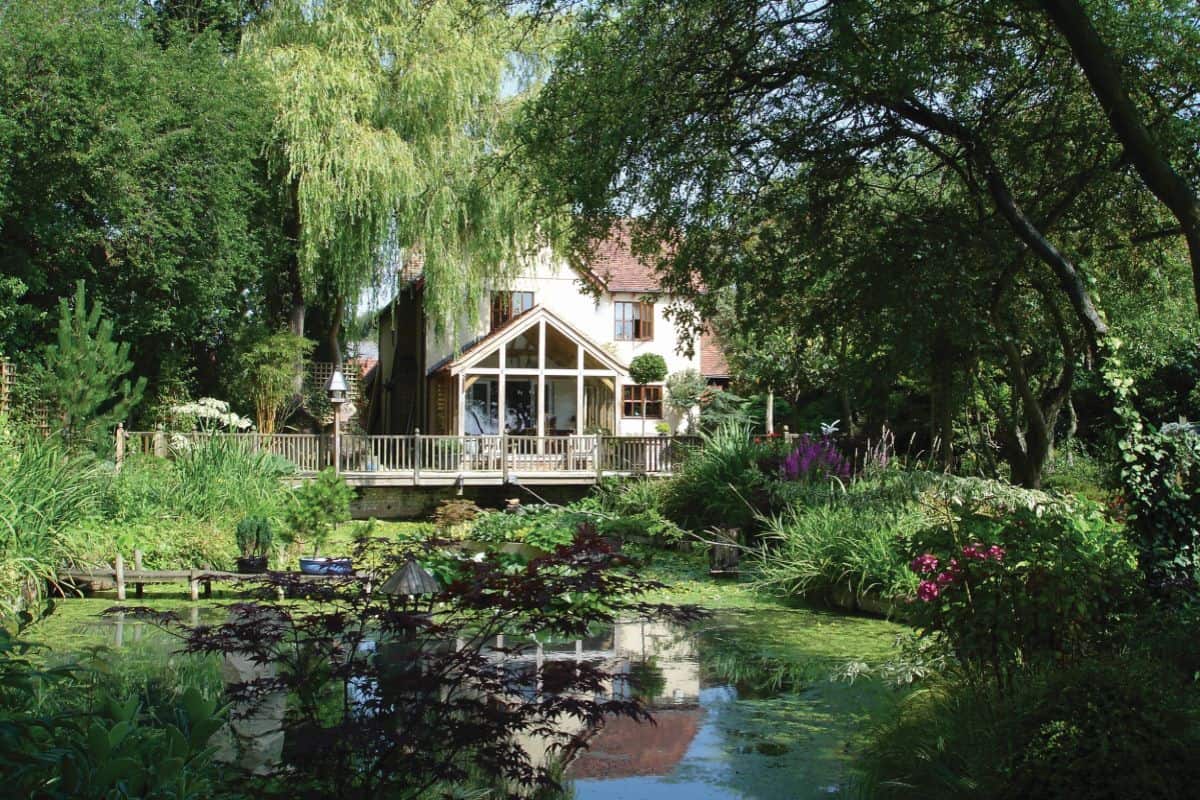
pixel 978 552
pixel 927 564
pixel 924 564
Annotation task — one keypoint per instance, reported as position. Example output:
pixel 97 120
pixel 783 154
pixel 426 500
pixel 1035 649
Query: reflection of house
pixel 623 746
pixel 549 357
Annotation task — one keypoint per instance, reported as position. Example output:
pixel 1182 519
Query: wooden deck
pixel 120 578
pixel 419 460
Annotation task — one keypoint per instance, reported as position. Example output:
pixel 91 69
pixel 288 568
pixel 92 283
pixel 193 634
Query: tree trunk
pixel 299 308
pixel 334 335
pixel 1103 73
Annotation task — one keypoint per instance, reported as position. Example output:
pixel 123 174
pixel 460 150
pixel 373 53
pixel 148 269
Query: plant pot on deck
pixel 320 565
pixel 251 565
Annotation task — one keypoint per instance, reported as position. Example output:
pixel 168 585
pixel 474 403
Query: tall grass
pixel 851 538
pixel 822 550
pixel 720 483
pixel 214 479
pixel 61 507
pixel 43 491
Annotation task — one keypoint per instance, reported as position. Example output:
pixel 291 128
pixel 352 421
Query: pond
pixel 745 704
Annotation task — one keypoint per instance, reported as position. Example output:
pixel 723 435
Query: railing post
pixel 160 442
pixel 416 456
pixel 599 456
pixel 504 458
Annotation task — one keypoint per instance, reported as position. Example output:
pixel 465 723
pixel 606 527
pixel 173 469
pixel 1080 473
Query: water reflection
pixel 717 733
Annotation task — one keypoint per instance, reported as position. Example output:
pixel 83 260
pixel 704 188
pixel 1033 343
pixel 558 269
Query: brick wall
pixel 404 502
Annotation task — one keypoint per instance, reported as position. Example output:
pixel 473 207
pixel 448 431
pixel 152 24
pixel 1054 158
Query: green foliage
pixel 254 536
pixel 720 483
pixel 720 408
pixel 216 478
pixel 1109 728
pixel 1160 475
pixel 684 391
pixel 647 368
pixel 317 507
pixel 268 370
pixel 82 378
pixel 102 745
pixel 44 490
pixel 398 152
pixel 852 542
pixel 136 164
pixel 1007 584
pixel 545 527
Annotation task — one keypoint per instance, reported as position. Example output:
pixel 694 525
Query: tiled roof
pixel 713 363
pixel 614 265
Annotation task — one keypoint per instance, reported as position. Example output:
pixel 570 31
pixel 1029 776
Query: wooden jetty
pixel 121 578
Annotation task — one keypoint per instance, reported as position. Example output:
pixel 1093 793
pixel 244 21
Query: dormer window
pixel 506 305
pixel 633 321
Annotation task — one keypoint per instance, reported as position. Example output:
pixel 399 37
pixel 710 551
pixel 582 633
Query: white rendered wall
pixel 559 288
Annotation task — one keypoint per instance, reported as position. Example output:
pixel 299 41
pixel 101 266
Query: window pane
pixel 561 352
pixel 522 352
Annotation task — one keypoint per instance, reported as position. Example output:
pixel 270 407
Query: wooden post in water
pixel 119 574
pixel 137 567
pixel 193 586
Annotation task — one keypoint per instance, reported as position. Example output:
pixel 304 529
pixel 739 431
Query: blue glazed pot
pixel 326 566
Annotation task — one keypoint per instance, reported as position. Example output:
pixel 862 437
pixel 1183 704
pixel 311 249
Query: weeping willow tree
pixel 390 131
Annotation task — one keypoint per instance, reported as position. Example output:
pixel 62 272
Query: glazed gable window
pixel 506 305
pixel 642 402
pixel 633 321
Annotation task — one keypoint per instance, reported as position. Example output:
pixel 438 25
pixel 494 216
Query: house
pixel 550 355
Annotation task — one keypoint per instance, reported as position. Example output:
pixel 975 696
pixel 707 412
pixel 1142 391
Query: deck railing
pixel 421 454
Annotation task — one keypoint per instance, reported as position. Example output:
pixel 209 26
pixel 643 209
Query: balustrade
pixel 458 455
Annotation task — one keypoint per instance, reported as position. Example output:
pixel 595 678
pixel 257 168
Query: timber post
pixel 504 458
pixel 160 442
pixel 416 456
pixel 119 446
pixel 137 567
pixel 119 576
pixel 193 585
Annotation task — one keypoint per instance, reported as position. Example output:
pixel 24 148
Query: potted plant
pixel 319 506
pixel 254 538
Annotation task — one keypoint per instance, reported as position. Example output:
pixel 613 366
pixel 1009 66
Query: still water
pixel 745 704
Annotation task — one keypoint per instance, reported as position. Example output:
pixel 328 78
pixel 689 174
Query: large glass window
pixel 522 351
pixel 520 406
pixel 482 407
pixel 642 401
pixel 561 407
pixel 633 321
pixel 506 305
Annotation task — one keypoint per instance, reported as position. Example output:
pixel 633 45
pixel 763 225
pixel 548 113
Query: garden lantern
pixel 411 584
pixel 337 388
pixel 337 395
